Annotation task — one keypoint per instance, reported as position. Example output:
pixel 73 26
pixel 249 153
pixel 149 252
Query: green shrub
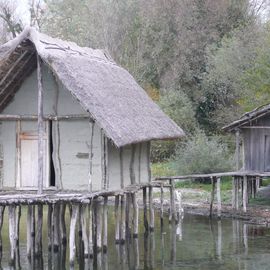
pixel 202 155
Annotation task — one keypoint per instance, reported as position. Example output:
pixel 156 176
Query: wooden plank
pixel 123 218
pixel 237 150
pixel 161 205
pixel 131 165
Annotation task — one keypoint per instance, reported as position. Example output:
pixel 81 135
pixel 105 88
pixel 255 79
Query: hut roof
pixel 248 117
pixel 105 90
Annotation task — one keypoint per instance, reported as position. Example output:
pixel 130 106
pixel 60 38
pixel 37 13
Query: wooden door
pixel 28 161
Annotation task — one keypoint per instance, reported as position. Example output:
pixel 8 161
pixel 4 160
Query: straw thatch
pixel 108 92
pixel 248 118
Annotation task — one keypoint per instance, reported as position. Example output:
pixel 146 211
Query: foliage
pixel 162 169
pixel 201 154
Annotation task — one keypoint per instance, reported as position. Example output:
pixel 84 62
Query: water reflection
pixel 193 243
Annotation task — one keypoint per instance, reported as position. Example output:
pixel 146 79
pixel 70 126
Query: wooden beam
pixel 14 117
pixel 237 149
pixel 245 194
pixel 40 128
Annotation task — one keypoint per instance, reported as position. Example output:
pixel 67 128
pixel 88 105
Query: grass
pixel 162 169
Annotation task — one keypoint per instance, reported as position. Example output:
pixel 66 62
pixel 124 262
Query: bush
pixel 202 155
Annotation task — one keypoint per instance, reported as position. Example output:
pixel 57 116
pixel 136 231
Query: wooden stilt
pixel 29 235
pixel 91 246
pixel 161 204
pixel 135 216
pixel 218 198
pixel 128 229
pixel 49 226
pixel 123 227
pixel 98 226
pixel 213 181
pixel 105 225
pixel 84 231
pixel 72 245
pixel 146 227
pixel 56 227
pixel 12 232
pixel 245 195
pixel 2 209
pixel 17 224
pixel 237 194
pixel 257 183
pixel 233 193
pixel 172 201
pixel 63 229
pixel 117 220
pixel 151 210
pixel 38 246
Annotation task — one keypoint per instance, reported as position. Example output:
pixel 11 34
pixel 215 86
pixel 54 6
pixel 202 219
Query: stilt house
pixel 71 118
pixel 253 137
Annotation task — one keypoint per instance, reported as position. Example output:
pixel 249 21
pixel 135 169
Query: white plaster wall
pixel 74 138
pixel 140 165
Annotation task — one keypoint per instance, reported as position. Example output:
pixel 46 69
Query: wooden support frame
pixel 245 193
pixel 40 128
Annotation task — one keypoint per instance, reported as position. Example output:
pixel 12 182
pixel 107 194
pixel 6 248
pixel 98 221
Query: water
pixel 197 243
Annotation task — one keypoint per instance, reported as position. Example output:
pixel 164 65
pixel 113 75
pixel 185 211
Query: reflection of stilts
pixel 173 243
pixel 179 229
pixel 152 251
pixel 136 253
pixel 219 240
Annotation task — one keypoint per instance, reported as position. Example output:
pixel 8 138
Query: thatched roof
pixel 248 118
pixel 105 90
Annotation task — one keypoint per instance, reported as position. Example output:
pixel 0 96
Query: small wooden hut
pixel 71 118
pixel 253 137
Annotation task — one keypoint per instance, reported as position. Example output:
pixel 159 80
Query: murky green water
pixel 197 243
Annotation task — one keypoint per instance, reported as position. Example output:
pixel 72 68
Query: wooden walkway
pixel 88 216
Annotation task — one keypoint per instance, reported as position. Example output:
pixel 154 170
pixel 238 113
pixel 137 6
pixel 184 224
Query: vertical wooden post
pixel 257 183
pixel 172 200
pixel 105 225
pixel 98 226
pixel 84 231
pixel 237 149
pixel 145 210
pixel 17 224
pixel 245 195
pixel 49 226
pixel 233 193
pixel 128 229
pixel 237 193
pixel 218 198
pixel 40 128
pixel 213 181
pixel 92 124
pixel 161 204
pixel 33 230
pixel 151 209
pixel 56 227
pixel 2 209
pixel 123 226
pixel 12 233
pixel 135 216
pixel 91 246
pixel 38 249
pixel 63 229
pixel 29 235
pixel 73 222
pixel 117 219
